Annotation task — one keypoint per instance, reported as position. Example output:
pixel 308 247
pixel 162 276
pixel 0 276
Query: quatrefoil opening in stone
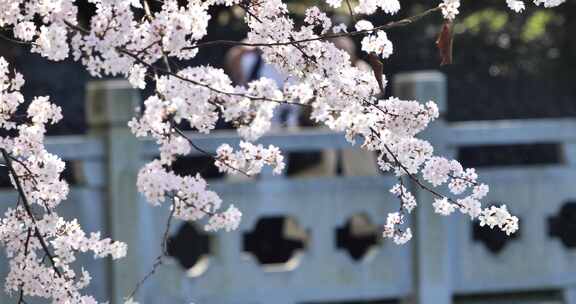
pixel 358 237
pixel 191 248
pixel 276 243
pixel 563 225
pixel 494 239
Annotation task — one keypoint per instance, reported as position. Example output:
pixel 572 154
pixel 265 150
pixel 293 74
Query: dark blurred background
pixel 506 65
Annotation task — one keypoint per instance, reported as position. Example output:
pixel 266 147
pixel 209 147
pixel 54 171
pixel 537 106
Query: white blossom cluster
pixel 499 216
pixel 128 38
pixel 438 171
pixel 393 231
pixel 370 6
pixel 407 199
pixel 249 159
pixel 518 5
pixel 316 17
pixel 344 101
pixel 191 199
pixel 41 246
pixel 363 25
pixel 378 44
pixel 195 95
pixel 395 222
pixel 450 7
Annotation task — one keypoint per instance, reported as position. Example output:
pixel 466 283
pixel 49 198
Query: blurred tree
pixel 517 65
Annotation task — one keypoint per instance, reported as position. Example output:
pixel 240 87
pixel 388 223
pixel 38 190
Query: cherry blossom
pixel 31 237
pixel 363 25
pixel 516 5
pixel 127 38
pixel 370 6
pixel 25 30
pixel 316 17
pixel 250 159
pixel 392 230
pixel 499 216
pixel 450 8
pixel 443 206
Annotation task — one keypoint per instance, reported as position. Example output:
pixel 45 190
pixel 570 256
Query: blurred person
pixel 355 162
pixel 244 64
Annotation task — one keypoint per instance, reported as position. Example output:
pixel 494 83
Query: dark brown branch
pixel 389 25
pixel 166 72
pixel 26 205
pixel 14 40
pixel 21 292
pixel 33 178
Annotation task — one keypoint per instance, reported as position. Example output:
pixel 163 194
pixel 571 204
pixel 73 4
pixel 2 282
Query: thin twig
pixel 350 11
pixel 207 153
pixel 416 180
pixel 159 260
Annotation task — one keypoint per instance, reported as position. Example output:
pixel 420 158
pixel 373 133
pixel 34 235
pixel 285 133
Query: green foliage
pixel 535 27
pixel 486 19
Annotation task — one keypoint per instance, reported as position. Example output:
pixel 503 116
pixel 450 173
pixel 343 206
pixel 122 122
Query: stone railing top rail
pixel 477 133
